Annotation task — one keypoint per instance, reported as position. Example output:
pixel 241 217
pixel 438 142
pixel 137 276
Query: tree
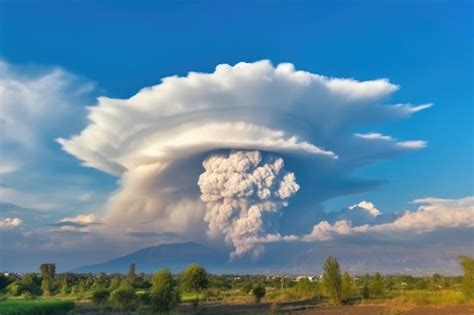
pixel 47 273
pixel 332 279
pixel 346 287
pixel 194 279
pixel 63 284
pixel 258 293
pixel 164 293
pixel 467 265
pixel 377 285
pixel 3 282
pixel 124 298
pixel 131 277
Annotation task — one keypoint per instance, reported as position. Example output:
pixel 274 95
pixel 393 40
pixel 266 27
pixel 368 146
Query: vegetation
pixel 467 265
pixel 194 279
pixel 332 279
pixel 100 296
pixel 131 277
pixel 163 292
pixel 47 274
pixel 27 307
pixel 258 293
pixel 124 298
pixel 347 290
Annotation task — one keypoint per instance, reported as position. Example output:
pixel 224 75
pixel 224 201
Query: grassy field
pixel 34 307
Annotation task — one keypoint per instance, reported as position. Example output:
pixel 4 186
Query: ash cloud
pixel 240 189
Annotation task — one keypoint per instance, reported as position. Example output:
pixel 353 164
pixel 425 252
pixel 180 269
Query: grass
pixel 424 297
pixel 34 307
pixel 189 297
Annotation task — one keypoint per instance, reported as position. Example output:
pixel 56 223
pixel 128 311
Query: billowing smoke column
pixel 240 188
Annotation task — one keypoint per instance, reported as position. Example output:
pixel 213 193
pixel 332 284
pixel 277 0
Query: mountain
pixel 173 256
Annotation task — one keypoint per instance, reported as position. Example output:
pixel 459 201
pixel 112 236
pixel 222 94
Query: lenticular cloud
pixel 240 188
pixel 155 142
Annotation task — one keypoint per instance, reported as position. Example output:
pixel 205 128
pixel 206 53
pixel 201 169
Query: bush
pixel 258 293
pixel 145 298
pixel 164 294
pixel 27 296
pixel 100 297
pixel 124 298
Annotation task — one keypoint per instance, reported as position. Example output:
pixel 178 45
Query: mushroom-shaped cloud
pixel 157 140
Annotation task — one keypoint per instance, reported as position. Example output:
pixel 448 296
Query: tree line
pixel 163 291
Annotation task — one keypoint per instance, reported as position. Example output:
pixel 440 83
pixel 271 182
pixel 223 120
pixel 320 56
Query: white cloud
pixel 38 104
pixel 156 140
pixel 434 215
pixel 10 223
pixel 373 136
pixel 81 218
pixel 368 207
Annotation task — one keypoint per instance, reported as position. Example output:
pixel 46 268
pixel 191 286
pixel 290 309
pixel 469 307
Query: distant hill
pixel 173 256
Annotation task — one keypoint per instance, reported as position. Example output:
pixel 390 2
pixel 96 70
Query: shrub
pixel 124 298
pixel 145 298
pixel 164 294
pixel 258 293
pixel 100 296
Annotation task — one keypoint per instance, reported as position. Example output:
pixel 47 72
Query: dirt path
pixel 385 310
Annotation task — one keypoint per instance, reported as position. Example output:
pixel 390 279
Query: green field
pixel 34 307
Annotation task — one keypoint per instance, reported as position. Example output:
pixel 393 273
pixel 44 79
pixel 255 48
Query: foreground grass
pixel 34 307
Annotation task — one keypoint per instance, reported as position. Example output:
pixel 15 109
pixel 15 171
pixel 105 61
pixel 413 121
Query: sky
pixel 68 67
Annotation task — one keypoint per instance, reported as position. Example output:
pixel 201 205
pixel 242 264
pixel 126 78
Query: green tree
pixel 377 285
pixel 258 293
pixel 47 274
pixel 3 282
pixel 347 289
pixel 332 279
pixel 164 293
pixel 131 277
pixel 124 298
pixel 63 284
pixel 194 279
pixel 31 283
pixel 467 265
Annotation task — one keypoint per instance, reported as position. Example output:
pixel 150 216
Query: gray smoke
pixel 240 189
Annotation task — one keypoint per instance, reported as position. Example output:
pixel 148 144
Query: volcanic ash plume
pixel 240 188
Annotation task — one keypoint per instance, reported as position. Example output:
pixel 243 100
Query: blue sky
pixel 426 47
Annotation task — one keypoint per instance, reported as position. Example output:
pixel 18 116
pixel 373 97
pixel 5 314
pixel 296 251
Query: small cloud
pixel 10 223
pixel 368 206
pixel 81 219
pixel 373 136
pixel 85 196
pixel 414 144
